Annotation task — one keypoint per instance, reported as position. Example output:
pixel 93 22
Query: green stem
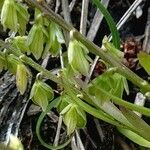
pixel 39 68
pixel 38 125
pixel 119 101
pixel 105 55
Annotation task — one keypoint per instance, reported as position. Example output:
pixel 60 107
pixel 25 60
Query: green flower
pixel 22 77
pixel 36 40
pixel 41 94
pixel 74 118
pixel 9 15
pixel 77 57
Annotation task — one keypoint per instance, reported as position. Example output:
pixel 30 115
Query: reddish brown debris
pixel 131 48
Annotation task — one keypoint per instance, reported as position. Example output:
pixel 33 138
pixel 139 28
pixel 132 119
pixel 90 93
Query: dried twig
pixel 57 6
pixel 146 43
pixel 139 100
pixel 79 142
pixel 96 22
pixel 84 15
pixel 72 4
pixel 66 12
pixel 99 129
pixel 58 131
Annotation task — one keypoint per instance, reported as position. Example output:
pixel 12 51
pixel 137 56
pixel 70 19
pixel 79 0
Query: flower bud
pixel 22 77
pixel 35 40
pixel 41 94
pixel 77 57
pixel 9 15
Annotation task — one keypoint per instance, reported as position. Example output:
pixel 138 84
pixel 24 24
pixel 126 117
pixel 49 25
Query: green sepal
pixel 64 102
pixel 112 49
pixel 36 40
pixel 41 94
pixel 54 41
pixel 22 75
pixel 76 57
pixel 74 118
pixel 1 4
pixel 9 15
pixel 70 120
pixel 23 17
pixel 12 62
pixel 111 82
pixel 20 42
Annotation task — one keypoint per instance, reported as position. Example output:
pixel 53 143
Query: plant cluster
pixel 101 97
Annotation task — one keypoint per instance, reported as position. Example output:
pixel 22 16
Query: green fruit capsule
pixel 9 15
pixel 41 94
pixel 22 78
pixel 35 40
pixel 77 57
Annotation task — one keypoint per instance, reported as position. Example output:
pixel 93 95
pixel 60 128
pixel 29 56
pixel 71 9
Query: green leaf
pixel 110 22
pixel 144 60
pixel 140 125
pixel 134 137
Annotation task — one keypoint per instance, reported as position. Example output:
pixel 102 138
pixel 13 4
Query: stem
pixel 38 125
pixel 119 101
pixel 39 68
pixel 105 55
